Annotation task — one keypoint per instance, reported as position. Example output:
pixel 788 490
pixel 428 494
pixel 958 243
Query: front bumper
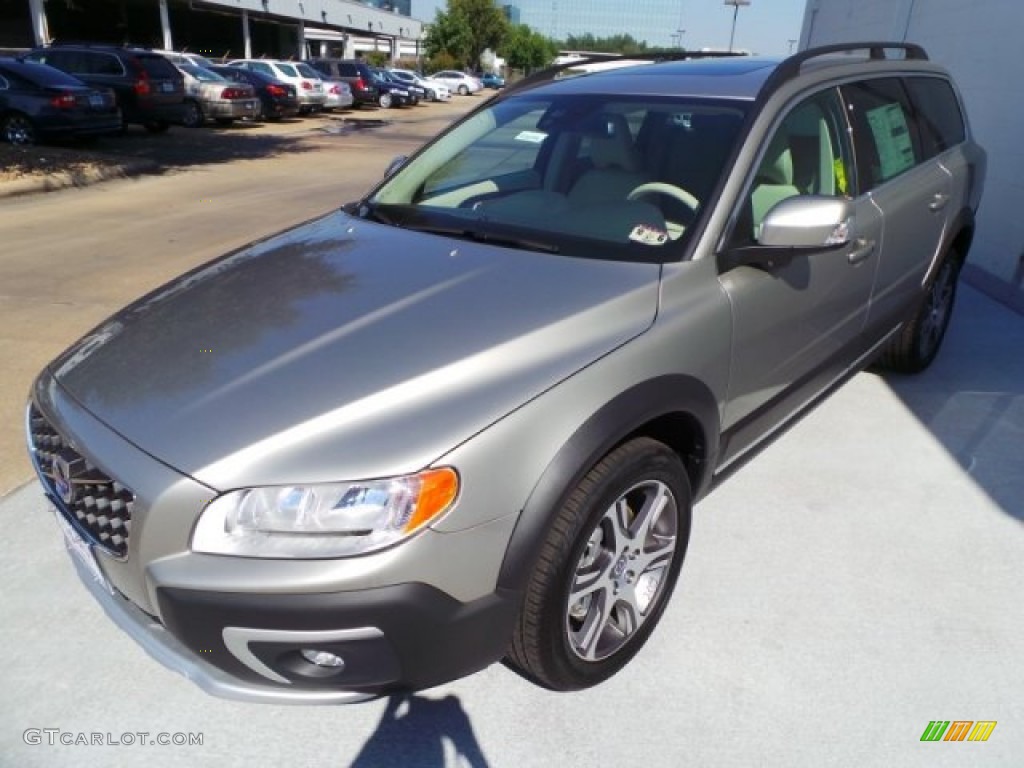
pixel 247 647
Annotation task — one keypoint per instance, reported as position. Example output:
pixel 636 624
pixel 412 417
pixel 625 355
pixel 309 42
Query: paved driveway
pixel 858 580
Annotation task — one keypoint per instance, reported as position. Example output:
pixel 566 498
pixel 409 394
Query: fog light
pixel 322 658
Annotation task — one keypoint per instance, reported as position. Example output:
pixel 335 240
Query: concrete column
pixel 246 37
pixel 165 26
pixel 302 40
pixel 40 29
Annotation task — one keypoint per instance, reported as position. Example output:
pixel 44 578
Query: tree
pixel 622 43
pixel 449 34
pixel 525 49
pixel 466 30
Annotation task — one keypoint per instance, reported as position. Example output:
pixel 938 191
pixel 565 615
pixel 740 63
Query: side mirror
pixel 807 221
pixel 394 165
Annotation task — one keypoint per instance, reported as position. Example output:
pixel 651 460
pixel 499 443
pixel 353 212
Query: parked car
pixel 211 95
pixel 339 94
pixel 465 418
pixel 458 82
pixel 148 88
pixel 354 72
pixel 184 57
pixel 416 92
pixel 392 93
pixel 434 90
pixel 277 98
pixel 40 102
pixel 492 80
pixel 310 90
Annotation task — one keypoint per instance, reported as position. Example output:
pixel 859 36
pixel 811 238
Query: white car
pixel 339 93
pixel 183 57
pixel 458 82
pixel 436 90
pixel 310 90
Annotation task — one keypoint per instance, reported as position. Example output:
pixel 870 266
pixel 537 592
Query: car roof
pixel 724 76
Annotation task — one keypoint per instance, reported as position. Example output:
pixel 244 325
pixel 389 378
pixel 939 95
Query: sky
pixel 765 26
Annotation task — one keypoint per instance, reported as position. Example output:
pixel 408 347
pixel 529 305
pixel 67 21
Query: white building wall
pixel 979 42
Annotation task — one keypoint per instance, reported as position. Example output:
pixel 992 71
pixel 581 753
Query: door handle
pixel 939 200
pixel 862 249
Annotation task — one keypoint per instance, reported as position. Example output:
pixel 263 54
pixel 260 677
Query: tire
pixel 18 129
pixel 156 126
pixel 463 90
pixel 193 115
pixel 596 591
pixel 384 101
pixel 915 346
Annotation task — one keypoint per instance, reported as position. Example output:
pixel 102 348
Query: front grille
pixel 101 506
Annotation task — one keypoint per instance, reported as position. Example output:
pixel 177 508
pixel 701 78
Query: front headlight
pixel 324 520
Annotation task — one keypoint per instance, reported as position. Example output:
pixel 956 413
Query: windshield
pixel 287 69
pixel 584 175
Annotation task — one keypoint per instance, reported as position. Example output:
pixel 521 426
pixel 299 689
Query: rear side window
pixel 158 67
pixel 885 133
pixel 100 64
pixel 938 114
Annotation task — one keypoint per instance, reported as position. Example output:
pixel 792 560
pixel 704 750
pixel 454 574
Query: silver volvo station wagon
pixel 465 419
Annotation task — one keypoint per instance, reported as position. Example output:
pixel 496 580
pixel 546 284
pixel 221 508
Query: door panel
pixel 793 320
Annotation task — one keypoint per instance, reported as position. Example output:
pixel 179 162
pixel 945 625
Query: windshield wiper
pixel 510 241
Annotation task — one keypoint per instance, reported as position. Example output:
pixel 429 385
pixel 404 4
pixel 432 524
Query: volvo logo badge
pixel 62 480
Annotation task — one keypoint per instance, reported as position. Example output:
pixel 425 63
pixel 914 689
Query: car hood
pixel 345 349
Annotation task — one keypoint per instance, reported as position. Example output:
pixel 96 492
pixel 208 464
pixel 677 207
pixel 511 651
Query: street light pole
pixel 736 10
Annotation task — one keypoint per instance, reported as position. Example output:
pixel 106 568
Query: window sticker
pixel 645 234
pixel 892 137
pixel 533 137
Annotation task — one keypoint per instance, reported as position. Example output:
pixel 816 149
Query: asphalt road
pixel 856 581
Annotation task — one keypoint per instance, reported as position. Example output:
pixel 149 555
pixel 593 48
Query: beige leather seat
pixel 774 182
pixel 617 165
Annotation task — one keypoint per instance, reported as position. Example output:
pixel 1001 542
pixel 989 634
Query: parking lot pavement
pixel 858 580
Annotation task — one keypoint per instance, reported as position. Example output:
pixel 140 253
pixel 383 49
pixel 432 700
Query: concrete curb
pixel 64 180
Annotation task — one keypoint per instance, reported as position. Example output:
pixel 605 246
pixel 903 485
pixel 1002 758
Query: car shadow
pixel 212 144
pixel 421 732
pixel 971 399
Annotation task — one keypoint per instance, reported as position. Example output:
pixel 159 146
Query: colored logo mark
pixel 958 730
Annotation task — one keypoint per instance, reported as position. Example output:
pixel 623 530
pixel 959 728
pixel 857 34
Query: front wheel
pixel 385 101
pixel 606 569
pixel 18 129
pixel 915 346
pixel 463 90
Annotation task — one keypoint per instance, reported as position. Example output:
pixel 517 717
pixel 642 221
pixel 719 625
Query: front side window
pixel 807 154
pixel 586 175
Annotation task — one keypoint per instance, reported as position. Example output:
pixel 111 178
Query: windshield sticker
pixel 534 137
pixel 645 234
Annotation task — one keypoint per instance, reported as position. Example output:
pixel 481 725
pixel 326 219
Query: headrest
pixel 611 144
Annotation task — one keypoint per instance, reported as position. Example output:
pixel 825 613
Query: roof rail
pixel 790 67
pixel 550 73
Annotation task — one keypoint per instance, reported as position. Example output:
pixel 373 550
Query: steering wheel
pixel 655 187
pixel 675 229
